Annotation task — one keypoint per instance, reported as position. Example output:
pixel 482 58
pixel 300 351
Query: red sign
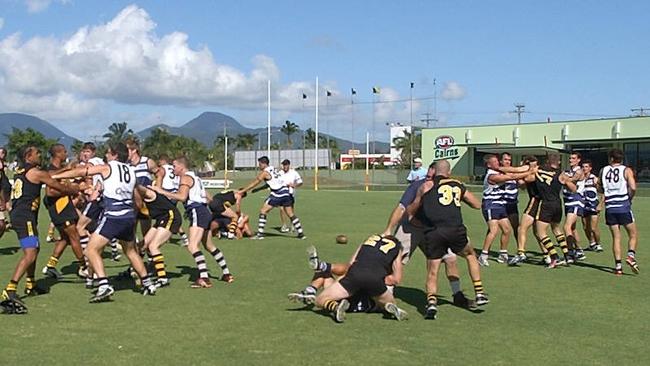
pixel 444 142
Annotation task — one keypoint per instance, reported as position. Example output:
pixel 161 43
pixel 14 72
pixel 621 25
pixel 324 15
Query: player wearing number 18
pixel 618 185
pixel 376 264
pixel 118 220
pixel 440 201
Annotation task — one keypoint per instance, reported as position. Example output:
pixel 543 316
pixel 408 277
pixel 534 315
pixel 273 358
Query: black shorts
pixel 217 207
pixel 363 279
pixel 438 240
pixel 361 303
pixel 63 213
pixel 512 208
pixel 171 220
pixel 550 212
pixel 222 221
pixel 533 207
pixel 25 224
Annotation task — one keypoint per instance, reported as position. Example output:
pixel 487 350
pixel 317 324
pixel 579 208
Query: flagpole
pixel 327 129
pixel 352 107
pixel 225 162
pixel 367 159
pixel 411 136
pixel 316 149
pixel 268 134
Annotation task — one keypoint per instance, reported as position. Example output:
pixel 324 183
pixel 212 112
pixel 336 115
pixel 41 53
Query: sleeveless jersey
pixel 170 181
pixel 142 175
pixel 441 204
pixel 590 193
pixel 548 184
pixel 493 194
pixel 197 195
pixel 60 202
pixel 118 191
pixel 614 185
pixel 276 183
pixel 97 177
pixel 377 253
pixel 511 192
pixel 531 188
pixel 25 195
pixel 573 199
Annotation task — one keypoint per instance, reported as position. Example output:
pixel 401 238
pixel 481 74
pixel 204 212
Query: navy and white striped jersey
pixel 511 192
pixel 590 193
pixel 573 199
pixel 614 185
pixel 276 183
pixel 493 194
pixel 142 174
pixel 118 190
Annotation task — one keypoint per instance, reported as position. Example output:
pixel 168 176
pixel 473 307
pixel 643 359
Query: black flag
pixel 354 92
pixel 329 93
pixel 304 96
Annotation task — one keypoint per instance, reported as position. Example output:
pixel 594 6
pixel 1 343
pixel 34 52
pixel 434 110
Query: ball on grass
pixel 341 239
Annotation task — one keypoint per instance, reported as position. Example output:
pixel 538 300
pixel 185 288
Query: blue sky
pixel 85 64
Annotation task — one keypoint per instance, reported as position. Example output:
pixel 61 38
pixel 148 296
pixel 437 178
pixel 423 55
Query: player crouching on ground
pixel 376 264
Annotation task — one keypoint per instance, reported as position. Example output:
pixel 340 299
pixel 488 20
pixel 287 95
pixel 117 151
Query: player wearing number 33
pixel 440 201
pixel 376 264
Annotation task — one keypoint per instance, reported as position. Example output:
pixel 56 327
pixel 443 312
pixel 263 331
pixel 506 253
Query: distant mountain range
pixel 205 128
pixel 24 121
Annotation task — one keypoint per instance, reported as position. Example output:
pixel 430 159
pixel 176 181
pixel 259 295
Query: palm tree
pixel 289 128
pixel 403 143
pixel 118 132
pixel 246 141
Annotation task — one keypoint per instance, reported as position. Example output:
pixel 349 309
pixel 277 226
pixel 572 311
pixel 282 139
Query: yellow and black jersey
pixel 25 195
pixel 222 200
pixel 547 182
pixel 441 204
pixel 377 254
pixel 159 206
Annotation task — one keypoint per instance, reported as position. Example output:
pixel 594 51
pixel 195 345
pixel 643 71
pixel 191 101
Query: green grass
pixel 579 315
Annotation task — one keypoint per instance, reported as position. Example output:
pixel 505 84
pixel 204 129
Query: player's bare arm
pixel 631 182
pixel 395 277
pixel 471 200
pixel 183 189
pixel 259 179
pixel 394 219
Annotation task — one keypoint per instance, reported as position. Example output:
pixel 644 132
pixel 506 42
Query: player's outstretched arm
pixel 394 219
pixel 183 189
pixel 514 169
pixel 65 189
pixel 259 179
pixel 84 171
pixel 568 182
pixel 471 200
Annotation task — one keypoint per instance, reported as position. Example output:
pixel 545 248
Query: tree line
pixel 161 141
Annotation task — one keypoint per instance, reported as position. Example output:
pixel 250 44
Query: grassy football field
pixel 578 315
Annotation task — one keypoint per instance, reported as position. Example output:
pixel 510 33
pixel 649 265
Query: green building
pixel 465 146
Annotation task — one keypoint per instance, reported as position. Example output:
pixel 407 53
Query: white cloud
pixel 35 6
pixel 125 61
pixel 453 91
